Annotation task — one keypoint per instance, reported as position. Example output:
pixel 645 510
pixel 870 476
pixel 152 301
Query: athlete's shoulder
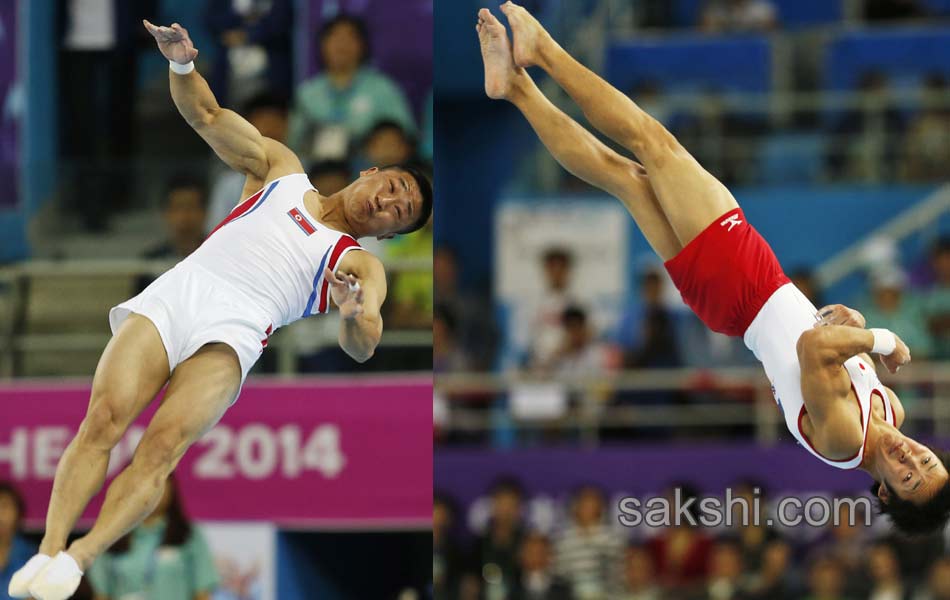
pixel 362 261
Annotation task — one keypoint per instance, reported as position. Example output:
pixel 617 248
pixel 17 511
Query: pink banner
pixel 315 453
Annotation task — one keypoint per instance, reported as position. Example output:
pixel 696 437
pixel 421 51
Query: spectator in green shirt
pixel 339 106
pixel 936 301
pixel 165 558
pixel 893 306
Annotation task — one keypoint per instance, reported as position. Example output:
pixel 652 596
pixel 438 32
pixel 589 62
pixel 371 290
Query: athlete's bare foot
pixel 527 34
pixel 496 54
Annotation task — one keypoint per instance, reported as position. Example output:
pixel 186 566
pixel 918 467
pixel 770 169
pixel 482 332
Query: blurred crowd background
pixel 113 187
pixel 568 368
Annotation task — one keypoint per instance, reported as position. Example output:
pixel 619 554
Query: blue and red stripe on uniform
pixel 247 207
pixel 330 259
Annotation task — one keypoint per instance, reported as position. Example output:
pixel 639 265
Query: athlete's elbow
pixel 815 346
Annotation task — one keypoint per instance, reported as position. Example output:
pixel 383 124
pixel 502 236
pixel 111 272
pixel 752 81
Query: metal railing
pixel 16 341
pixel 475 402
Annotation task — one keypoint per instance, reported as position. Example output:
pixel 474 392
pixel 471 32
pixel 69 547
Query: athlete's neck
pixel 329 211
pixel 870 458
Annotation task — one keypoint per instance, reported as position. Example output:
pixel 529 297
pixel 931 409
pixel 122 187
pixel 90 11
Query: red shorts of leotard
pixel 726 273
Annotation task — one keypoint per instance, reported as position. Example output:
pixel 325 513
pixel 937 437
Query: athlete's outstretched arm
pixel 834 344
pixel 359 289
pixel 238 143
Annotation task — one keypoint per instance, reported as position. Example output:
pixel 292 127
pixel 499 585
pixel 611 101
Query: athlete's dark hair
pixel 917 519
pixel 425 190
pixel 6 488
pixel 177 525
pixel 356 23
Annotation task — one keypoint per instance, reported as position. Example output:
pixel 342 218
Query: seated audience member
pixel 410 291
pixel 725 580
pixel 936 300
pixel 387 143
pixel 773 579
pixel 588 552
pixel 341 104
pixel 826 580
pixel 938 581
pixel 537 325
pixel 579 353
pixel 896 307
pixel 730 16
pixel 681 550
pixel 165 557
pixel 639 576
pixel 927 141
pixel 496 549
pixel 476 330
pixel 184 212
pixel 447 355
pixel 268 113
pixel 330 176
pixel 14 549
pixel 537 580
pixel 252 47
pixel 884 574
pixel 650 340
pixel 447 558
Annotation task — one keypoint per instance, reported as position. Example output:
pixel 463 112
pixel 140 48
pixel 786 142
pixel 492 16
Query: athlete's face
pixel 911 469
pixel 382 203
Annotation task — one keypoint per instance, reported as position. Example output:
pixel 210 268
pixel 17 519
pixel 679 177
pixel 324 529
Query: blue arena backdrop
pixel 397 50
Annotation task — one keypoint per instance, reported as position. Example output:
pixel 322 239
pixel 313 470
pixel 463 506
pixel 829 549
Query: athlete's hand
pixel 839 314
pixel 174 42
pixel 346 292
pixel 898 358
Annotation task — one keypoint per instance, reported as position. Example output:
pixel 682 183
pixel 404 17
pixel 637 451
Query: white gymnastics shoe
pixel 20 582
pixel 58 580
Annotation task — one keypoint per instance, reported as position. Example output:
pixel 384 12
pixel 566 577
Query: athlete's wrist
pixel 884 341
pixel 181 69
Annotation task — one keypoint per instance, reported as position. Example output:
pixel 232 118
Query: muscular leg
pixel 690 196
pixel 199 392
pixel 133 368
pixel 575 148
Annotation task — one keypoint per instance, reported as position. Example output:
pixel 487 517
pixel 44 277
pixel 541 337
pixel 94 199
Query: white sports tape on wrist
pixel 181 69
pixel 884 341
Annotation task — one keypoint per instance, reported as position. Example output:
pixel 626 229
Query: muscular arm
pixel 360 333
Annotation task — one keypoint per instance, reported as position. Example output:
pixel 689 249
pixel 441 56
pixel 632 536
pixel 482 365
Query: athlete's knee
pixel 649 138
pixel 160 450
pixel 105 422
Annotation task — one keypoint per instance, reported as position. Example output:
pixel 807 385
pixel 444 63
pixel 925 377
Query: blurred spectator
pixel 340 105
pixel 386 144
pixel 539 322
pixel 268 113
pixel 537 581
pixel 804 280
pixel 656 341
pixel 681 550
pixel 579 353
pixel 14 549
pixel 884 574
pixel 725 580
pixel 639 576
pixel 409 298
pixel 826 580
pixel 446 551
pixel 731 16
pixel 496 551
pixel 936 300
pixel 893 10
pixel 926 155
pixel 750 534
pixel 588 552
pixel 330 176
pixel 184 211
pixel 899 309
pixel 253 47
pixel 475 326
pixel 938 582
pixel 426 133
pixel 447 355
pixel 773 580
pixel 865 137
pixel 846 540
pixel 99 48
pixel 165 557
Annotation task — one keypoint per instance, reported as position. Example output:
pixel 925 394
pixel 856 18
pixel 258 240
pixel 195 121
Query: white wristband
pixel 884 341
pixel 182 69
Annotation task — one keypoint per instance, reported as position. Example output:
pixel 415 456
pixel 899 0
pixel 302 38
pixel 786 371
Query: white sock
pixel 20 582
pixel 58 580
